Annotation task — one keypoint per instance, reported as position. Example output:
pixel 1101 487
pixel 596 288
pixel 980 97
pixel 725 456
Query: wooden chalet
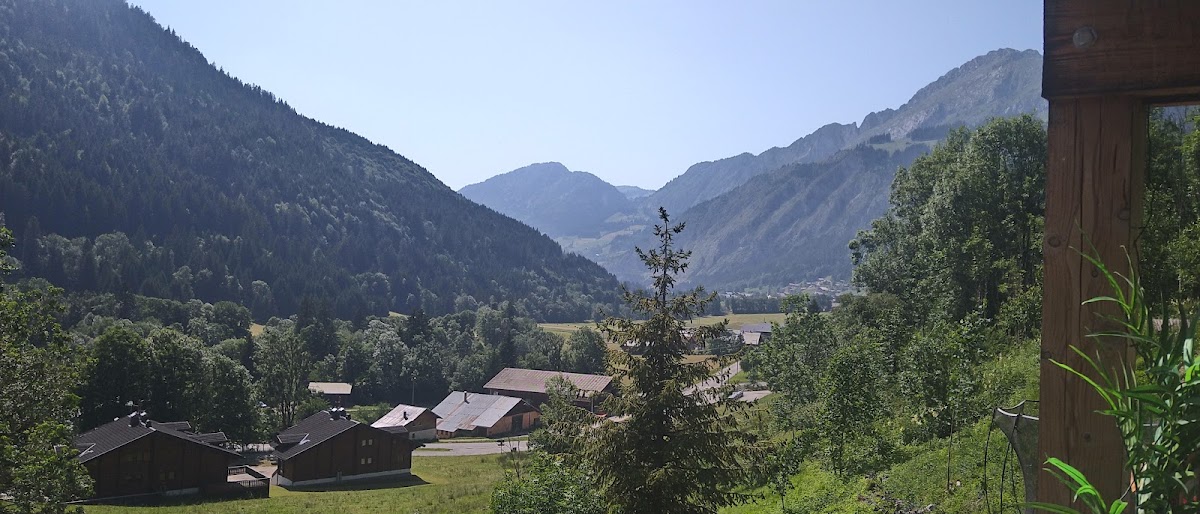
pixel 490 415
pixel 1106 63
pixel 418 422
pixel 530 385
pixel 136 456
pixel 330 447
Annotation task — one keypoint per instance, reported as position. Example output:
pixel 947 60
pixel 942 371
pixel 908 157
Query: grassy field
pixel 440 485
pixel 566 329
pixel 735 322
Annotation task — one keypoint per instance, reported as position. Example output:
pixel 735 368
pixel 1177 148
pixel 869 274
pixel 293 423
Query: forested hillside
pixel 129 164
pixel 886 403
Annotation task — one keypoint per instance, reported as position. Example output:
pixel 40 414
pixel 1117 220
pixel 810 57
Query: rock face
pixel 551 198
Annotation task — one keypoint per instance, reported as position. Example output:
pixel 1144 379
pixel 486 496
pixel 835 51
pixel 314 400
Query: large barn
pixel 329 447
pixel 488 415
pixel 530 385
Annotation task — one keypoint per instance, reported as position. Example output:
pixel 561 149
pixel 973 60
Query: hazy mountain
pixel 708 179
pixel 1001 83
pixel 760 220
pixel 551 198
pixel 633 192
pixel 128 163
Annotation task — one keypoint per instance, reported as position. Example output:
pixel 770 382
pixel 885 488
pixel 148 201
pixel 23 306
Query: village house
pixel 336 393
pixel 420 423
pixel 530 385
pixel 329 446
pixel 754 334
pixel 136 456
pixel 490 415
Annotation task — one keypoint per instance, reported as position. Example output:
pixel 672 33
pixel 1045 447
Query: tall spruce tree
pixel 679 448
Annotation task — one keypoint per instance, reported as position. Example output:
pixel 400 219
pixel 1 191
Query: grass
pixel 256 329
pixel 735 322
pixel 440 485
pixel 566 329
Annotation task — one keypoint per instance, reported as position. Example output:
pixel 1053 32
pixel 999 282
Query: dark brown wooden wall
pixel 152 458
pixel 344 453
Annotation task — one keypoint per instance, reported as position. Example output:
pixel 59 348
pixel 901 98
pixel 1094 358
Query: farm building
pixel 135 456
pixel 334 392
pixel 755 334
pixel 489 415
pixel 330 447
pixel 420 423
pixel 530 385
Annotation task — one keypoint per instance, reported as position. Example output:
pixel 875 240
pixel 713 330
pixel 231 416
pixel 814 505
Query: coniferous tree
pixel 679 449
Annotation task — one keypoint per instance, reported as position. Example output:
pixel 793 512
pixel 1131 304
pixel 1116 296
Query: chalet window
pixel 366 460
pixel 367 442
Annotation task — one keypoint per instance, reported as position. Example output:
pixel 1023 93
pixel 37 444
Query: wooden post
pixel 1105 62
pixel 1094 185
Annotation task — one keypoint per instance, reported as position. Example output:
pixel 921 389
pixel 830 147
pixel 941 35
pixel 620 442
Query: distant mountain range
pixel 129 164
pixel 786 214
pixel 553 199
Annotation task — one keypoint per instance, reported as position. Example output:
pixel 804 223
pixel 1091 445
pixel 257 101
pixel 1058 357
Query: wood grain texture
pixel 1096 163
pixel 1145 48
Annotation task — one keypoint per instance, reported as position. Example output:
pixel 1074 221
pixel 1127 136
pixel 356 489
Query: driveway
pixel 717 380
pixel 459 449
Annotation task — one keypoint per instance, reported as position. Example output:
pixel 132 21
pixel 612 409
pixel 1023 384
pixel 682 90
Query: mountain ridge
pixel 128 163
pixel 551 198
pixel 1002 82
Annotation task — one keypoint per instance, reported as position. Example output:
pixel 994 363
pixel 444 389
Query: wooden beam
pixel 1094 185
pixel 1148 48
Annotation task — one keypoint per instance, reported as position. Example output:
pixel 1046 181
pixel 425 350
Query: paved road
pixel 457 449
pixel 717 380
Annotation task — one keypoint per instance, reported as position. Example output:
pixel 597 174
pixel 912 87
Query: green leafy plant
pixel 1156 407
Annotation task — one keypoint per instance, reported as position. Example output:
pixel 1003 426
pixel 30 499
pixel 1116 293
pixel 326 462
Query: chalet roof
pixel 757 327
pixel 211 437
pixel 330 387
pixel 310 432
pixel 534 380
pixel 399 417
pixel 124 430
pixel 466 411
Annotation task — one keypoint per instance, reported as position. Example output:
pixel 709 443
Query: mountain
pixel 1001 83
pixel 786 214
pixel 634 192
pixel 129 164
pixel 551 198
pixel 706 180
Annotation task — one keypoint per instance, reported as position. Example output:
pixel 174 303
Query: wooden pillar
pixel 1094 188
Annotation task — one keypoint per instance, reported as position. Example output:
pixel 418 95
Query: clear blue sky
pixel 634 92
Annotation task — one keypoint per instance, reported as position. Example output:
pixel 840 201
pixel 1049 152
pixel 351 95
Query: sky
pixel 633 92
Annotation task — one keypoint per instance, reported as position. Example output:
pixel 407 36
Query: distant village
pixel 136 457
